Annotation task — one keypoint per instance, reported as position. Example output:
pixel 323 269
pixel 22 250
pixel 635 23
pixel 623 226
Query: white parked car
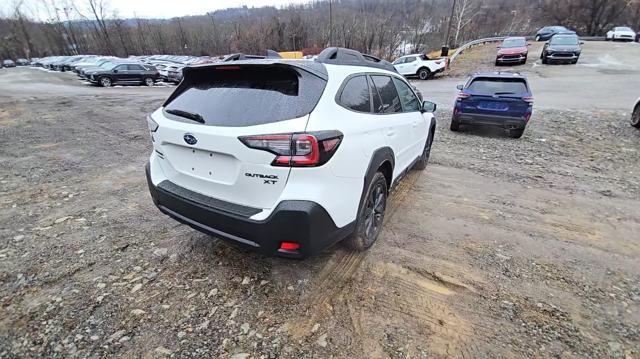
pixel 621 33
pixel 419 65
pixel 287 157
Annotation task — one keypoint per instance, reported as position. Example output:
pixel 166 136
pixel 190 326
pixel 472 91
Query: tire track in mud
pixel 339 272
pixel 422 302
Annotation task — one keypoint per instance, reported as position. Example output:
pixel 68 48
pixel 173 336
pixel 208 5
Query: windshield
pixel 514 43
pixel 564 40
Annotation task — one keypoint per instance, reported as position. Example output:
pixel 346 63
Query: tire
pixel 148 81
pixel 424 74
pixel 574 61
pixel 370 216
pixel 426 153
pixel 516 133
pixel 635 117
pixel 455 125
pixel 524 62
pixel 544 60
pixel 497 63
pixel 105 81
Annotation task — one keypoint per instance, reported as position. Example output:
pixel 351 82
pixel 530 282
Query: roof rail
pixel 273 55
pixel 342 56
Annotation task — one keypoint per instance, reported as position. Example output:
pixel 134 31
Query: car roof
pixel 515 38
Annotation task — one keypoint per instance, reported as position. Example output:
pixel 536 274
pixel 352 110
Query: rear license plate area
pixel 493 106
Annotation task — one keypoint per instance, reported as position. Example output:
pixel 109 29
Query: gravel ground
pixel 501 248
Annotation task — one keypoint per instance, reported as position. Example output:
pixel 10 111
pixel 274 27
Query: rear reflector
pixel 289 246
pixel 297 149
pixel 462 95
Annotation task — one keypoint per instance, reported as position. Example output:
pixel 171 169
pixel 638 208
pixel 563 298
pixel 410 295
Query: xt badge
pixel 268 179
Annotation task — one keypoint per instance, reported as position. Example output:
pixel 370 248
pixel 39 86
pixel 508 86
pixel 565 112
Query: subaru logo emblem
pixel 190 139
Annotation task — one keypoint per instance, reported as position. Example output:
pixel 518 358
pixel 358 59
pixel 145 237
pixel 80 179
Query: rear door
pixel 207 156
pixel 135 73
pixel 398 125
pixel 506 97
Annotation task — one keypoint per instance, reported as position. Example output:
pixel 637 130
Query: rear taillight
pixel 297 149
pixel 462 95
pixel 528 99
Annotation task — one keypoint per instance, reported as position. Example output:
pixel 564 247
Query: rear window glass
pixel 355 94
pixel 234 96
pixel 498 85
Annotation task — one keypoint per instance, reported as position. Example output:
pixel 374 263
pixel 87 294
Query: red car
pixel 514 50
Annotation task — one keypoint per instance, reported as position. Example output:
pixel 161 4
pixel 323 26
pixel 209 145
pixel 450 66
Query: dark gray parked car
pixel 562 48
pixel 8 63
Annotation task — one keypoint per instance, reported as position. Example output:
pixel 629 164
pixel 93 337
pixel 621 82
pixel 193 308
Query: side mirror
pixel 581 42
pixel 115 71
pixel 460 87
pixel 429 107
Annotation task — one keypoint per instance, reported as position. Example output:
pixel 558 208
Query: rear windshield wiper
pixel 186 114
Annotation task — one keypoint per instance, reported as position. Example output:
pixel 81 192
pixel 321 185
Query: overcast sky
pixel 153 8
pixel 168 9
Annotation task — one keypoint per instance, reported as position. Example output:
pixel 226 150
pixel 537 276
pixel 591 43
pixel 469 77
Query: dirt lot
pixel 501 248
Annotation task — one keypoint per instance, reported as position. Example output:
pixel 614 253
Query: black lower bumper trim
pixel 304 222
pixel 490 120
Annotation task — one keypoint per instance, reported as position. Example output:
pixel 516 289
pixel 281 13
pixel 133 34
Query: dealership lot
pixel 501 247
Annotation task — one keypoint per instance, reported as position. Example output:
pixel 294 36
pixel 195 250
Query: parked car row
pixel 561 47
pixel 618 33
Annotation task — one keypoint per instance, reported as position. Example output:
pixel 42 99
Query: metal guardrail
pixel 487 40
pixel 470 44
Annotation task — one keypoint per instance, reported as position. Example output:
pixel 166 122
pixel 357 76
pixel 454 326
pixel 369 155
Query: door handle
pixel 391 133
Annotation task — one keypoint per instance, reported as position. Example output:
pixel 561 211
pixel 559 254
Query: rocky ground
pixel 501 248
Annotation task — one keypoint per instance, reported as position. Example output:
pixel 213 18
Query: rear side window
pixel 355 94
pixel 498 86
pixel 236 96
pixel 390 102
pixel 134 67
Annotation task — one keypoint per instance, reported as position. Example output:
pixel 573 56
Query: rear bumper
pixel 304 222
pixel 506 122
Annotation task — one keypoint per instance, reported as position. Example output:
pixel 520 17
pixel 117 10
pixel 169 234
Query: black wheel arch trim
pixel 379 157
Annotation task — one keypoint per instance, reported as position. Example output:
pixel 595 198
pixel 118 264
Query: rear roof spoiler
pixel 342 56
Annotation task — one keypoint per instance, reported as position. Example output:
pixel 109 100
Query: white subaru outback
pixel 287 157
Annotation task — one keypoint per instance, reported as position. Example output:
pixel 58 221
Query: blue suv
pixel 501 99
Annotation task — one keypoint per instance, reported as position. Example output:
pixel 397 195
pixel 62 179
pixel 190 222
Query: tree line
pixel 384 28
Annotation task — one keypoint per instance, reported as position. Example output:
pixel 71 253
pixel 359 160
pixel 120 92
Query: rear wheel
pixel 516 133
pixel 148 81
pixel 105 82
pixel 635 117
pixel 371 216
pixel 455 125
pixel 424 74
pixel 426 153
